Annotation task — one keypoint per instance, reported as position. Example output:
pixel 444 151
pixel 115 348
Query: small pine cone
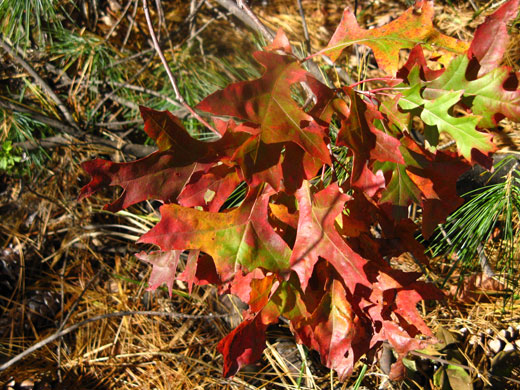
pixel 41 308
pixel 9 270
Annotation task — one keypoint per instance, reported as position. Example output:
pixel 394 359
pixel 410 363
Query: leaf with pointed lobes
pixel 492 97
pixel 200 270
pixel 416 58
pixel 491 38
pixel 331 330
pixel 267 102
pixel 393 307
pixel 280 42
pixel 426 179
pixel 436 113
pixel 164 267
pixel 240 237
pixel 396 238
pixel 243 345
pixel 253 288
pixel 260 163
pixel 413 27
pixel 209 189
pixel 163 174
pixel 366 142
pixel 317 237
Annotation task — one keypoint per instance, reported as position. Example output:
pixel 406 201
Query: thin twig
pixel 169 72
pixel 72 328
pixel 242 4
pixel 64 110
pixel 52 122
pixel 305 29
pixel 60 140
pixel 232 7
pixel 131 26
pixel 68 81
pixel 121 17
pixel 113 92
pixel 138 89
pixel 136 150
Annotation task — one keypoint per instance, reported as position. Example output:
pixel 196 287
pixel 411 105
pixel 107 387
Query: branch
pixel 233 8
pixel 72 328
pixel 59 140
pixel 67 81
pixel 268 35
pixel 304 25
pixel 52 122
pixel 169 72
pixel 68 117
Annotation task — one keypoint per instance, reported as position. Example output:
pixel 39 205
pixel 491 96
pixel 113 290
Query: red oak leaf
pixel 426 179
pixel 317 237
pixel 412 27
pixel 267 102
pixel 240 237
pixel 209 189
pixel 244 345
pixel 366 142
pixel 491 38
pixel 164 267
pixel 163 174
pixel 331 330
pixel 160 175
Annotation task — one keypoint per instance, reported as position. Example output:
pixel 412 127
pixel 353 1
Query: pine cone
pixel 41 308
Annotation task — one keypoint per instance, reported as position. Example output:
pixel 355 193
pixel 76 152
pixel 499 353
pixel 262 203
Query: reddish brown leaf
pixel 242 236
pixel 158 176
pixel 331 330
pixel 366 142
pixel 244 345
pixel 491 38
pixel 209 189
pixel 317 237
pixel 164 267
pixel 412 27
pixel 267 102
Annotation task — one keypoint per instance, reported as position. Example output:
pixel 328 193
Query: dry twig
pixel 64 110
pixel 61 333
pixel 172 79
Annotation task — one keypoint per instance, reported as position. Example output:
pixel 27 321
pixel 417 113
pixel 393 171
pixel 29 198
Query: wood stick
pixel 172 79
pixel 64 110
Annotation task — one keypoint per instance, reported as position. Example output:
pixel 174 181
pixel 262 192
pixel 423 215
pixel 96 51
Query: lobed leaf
pixel 413 27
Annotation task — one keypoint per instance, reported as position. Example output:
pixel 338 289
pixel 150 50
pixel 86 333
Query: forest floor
pixel 68 266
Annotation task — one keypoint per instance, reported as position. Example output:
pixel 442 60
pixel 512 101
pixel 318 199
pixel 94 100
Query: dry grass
pixel 83 257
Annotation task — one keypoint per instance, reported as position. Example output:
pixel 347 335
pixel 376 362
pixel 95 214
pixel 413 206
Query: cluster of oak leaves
pixel 312 250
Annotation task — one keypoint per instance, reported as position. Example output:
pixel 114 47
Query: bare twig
pixel 72 328
pixel 232 7
pixel 259 25
pixel 112 93
pixel 92 88
pixel 131 26
pixel 52 122
pixel 64 110
pixel 169 72
pixel 121 17
pixel 139 89
pixel 304 25
pixel 61 140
